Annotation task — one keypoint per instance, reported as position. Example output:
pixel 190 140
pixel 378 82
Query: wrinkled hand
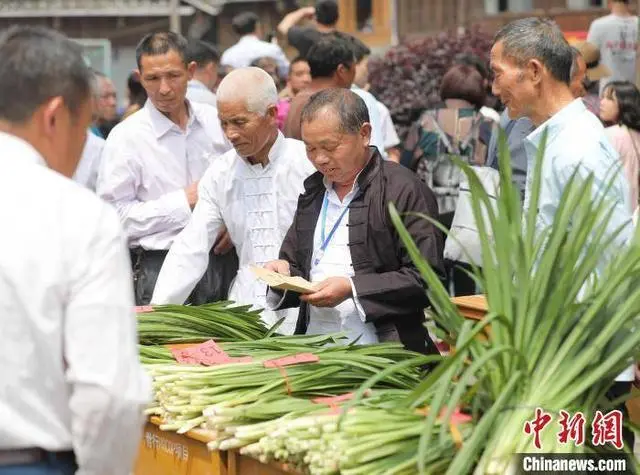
pixel 280 266
pixel 223 243
pixel 192 194
pixel 329 293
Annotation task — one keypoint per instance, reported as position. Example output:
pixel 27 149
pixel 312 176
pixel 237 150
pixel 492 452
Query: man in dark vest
pixel 342 238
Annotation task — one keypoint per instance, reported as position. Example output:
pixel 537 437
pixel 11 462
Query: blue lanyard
pixel 326 240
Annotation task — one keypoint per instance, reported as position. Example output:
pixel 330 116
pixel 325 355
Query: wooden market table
pixel 169 453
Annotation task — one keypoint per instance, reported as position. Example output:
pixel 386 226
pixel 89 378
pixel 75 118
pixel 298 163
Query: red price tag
pixel 183 356
pixel 460 417
pixel 144 309
pixel 291 360
pixel 207 354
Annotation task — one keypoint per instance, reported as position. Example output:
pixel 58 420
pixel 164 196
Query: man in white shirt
pixel 361 53
pixel 383 134
pixel 342 238
pixel 154 159
pixel 72 390
pixel 205 76
pixel 389 133
pixel 253 189
pixel 87 172
pixel 250 47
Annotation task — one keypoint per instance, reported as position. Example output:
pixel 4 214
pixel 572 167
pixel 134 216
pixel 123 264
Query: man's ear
pixel 191 69
pixel 535 70
pixel 365 133
pixel 271 112
pixel 51 115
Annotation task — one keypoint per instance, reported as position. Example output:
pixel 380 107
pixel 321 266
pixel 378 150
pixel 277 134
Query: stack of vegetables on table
pixel 559 329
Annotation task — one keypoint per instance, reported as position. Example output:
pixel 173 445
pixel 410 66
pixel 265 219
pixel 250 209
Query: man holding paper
pixel 252 189
pixel 342 238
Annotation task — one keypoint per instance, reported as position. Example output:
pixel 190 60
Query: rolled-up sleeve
pixel 109 388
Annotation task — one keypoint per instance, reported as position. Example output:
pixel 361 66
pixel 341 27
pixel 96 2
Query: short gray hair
pixel 537 38
pixel 351 110
pixel 38 64
pixel 252 85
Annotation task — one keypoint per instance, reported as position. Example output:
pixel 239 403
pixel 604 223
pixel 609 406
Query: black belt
pixel 32 456
pixel 138 255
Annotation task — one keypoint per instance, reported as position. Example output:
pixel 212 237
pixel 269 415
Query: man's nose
pixel 231 133
pixel 322 158
pixel 164 87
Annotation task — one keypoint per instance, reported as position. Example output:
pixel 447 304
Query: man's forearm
pixel 290 20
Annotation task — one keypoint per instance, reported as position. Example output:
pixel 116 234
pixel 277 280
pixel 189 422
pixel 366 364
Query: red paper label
pixel 207 354
pixel 183 356
pixel 291 360
pixel 144 309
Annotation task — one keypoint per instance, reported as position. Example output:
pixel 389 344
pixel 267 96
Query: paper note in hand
pixel 283 282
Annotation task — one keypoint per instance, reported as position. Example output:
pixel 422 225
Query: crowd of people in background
pixel 464 123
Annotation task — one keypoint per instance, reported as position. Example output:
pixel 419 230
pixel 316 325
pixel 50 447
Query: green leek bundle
pixel 221 321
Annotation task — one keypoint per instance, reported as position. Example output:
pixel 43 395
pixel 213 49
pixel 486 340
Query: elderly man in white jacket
pixel 252 189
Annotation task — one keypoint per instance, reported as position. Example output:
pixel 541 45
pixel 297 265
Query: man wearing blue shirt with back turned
pixel 531 62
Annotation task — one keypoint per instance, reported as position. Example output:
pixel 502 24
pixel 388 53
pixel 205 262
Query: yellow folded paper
pixel 283 282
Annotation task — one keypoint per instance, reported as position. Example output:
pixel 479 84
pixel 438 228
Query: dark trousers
pixel 213 286
pixel 60 463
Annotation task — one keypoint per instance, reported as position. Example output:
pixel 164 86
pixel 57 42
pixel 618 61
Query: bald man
pixel 252 189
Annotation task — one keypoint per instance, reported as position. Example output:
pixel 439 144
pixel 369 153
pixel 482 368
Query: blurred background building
pixel 110 29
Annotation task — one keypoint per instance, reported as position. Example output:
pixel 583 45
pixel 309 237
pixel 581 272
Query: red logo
pixel 534 427
pixel 607 428
pixel 572 428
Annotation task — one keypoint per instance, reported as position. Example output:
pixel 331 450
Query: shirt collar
pixel 194 83
pixel 21 149
pixel 161 123
pixel 248 38
pixel 556 122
